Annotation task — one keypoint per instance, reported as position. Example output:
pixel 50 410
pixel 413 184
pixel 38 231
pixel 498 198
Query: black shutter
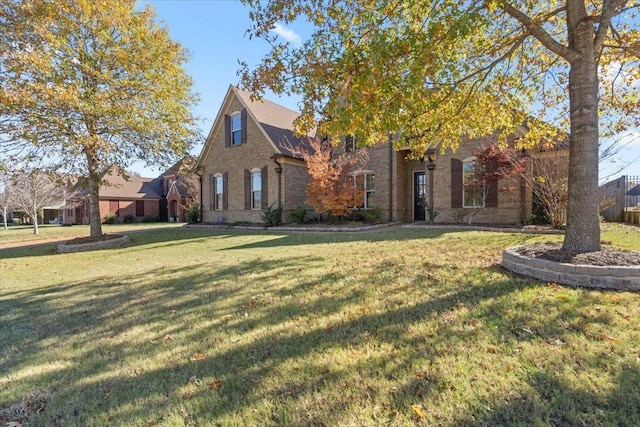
pixel 247 189
pixel 491 197
pixel 243 126
pixel 264 200
pixel 225 191
pixel 212 192
pixel 456 183
pixel 227 130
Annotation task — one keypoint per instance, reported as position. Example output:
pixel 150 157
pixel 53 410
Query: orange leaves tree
pixel 331 189
pixel 89 86
pixel 449 70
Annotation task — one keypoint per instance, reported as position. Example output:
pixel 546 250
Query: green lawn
pixel 193 327
pixel 24 233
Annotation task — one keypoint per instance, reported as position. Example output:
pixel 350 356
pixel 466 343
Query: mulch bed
pixel 605 257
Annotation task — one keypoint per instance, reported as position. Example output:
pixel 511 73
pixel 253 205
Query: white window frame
pixel 256 204
pixel 468 165
pixel 218 184
pixel 236 119
pixel 369 181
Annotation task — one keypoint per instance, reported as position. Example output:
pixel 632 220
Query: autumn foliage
pixel 331 189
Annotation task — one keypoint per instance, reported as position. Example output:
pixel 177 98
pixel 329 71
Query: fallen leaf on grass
pixel 421 375
pixel 198 356
pixel 167 337
pixel 418 410
pixel 419 391
pixel 215 384
pixel 608 338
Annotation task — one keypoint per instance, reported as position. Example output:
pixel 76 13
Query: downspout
pixel 279 192
pixel 390 177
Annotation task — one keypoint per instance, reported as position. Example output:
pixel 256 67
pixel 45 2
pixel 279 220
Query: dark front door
pixel 419 195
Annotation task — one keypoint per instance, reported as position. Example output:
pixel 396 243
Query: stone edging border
pixel 609 277
pixel 111 243
pixel 483 228
pixel 301 228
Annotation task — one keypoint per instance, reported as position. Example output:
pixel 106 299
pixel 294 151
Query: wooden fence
pixel 621 197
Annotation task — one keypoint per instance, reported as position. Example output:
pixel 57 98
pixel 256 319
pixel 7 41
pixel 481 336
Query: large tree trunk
pixel 583 221
pixel 95 221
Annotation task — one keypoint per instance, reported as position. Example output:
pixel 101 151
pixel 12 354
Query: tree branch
pixel 539 33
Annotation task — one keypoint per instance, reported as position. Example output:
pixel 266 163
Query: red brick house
pixel 136 196
pixel 247 165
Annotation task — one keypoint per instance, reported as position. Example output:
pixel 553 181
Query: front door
pixel 419 195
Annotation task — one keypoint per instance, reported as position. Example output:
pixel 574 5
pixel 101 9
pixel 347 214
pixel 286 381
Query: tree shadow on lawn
pixel 174 237
pixel 551 401
pixel 219 343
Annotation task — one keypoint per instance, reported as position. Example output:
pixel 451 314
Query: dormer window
pixel 236 129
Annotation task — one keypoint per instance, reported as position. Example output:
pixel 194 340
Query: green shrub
pixel 366 215
pixel 128 219
pixel 150 218
pixel 109 219
pixel 299 216
pixel 271 216
pixel 194 213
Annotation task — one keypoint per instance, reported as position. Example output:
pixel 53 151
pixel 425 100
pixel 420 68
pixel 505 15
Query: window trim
pixel 483 196
pixel 256 204
pixel 371 191
pixel 232 131
pixel 218 204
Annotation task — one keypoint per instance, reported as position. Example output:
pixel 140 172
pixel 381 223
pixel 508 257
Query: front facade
pixel 249 164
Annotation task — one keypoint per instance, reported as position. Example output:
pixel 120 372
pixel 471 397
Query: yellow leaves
pixel 418 411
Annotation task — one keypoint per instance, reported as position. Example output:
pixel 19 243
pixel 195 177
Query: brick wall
pixel 255 153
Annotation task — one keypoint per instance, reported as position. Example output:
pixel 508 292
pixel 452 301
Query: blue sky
pixel 214 32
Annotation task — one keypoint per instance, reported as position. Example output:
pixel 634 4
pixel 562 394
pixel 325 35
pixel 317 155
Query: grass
pixel 193 327
pixel 24 233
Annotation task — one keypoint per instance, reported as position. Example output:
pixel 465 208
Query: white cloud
pixel 287 34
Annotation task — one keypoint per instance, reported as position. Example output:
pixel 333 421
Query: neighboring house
pixel 136 196
pixel 179 187
pixel 248 165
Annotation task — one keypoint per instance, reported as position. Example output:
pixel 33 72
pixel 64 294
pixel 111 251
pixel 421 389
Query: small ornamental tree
pixel 331 189
pixel 545 174
pixel 33 190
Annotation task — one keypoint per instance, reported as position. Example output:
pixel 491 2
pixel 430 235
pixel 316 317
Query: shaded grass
pixel 400 327
pixel 24 233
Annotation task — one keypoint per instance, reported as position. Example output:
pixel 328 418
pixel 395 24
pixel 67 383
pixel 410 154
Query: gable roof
pixel 134 187
pixel 275 122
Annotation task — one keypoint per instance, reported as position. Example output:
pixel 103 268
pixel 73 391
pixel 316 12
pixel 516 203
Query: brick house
pixel 247 165
pixel 136 196
pixel 179 185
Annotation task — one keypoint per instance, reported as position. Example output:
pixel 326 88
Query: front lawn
pixel 24 233
pixel 204 327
